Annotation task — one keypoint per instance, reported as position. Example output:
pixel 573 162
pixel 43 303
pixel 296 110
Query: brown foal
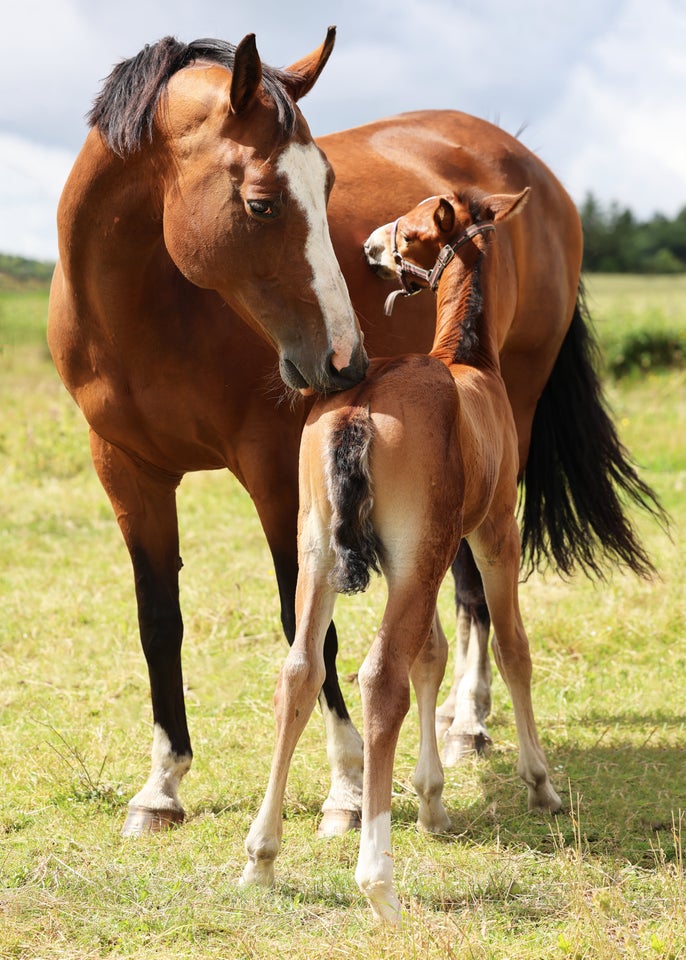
pixel 393 474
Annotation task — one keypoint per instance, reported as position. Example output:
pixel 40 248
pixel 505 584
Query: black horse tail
pixel 356 547
pixel 578 476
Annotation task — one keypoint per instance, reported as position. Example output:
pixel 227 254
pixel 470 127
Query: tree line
pixel 22 270
pixel 616 242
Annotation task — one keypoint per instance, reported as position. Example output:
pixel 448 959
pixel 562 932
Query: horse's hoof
pixel 140 821
pixel 335 823
pixel 443 724
pixel 257 873
pixel 543 797
pixel 459 746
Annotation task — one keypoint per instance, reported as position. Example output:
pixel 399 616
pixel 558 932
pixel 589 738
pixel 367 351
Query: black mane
pixel 125 109
pixel 469 341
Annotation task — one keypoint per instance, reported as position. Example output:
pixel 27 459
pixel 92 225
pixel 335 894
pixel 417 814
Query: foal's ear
pixel 302 75
pixel 502 206
pixel 247 74
pixel 444 216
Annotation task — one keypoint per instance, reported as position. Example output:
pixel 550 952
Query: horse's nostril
pixel 291 375
pixel 346 377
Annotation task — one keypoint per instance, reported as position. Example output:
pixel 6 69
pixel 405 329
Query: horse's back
pixel 393 162
pixel 384 168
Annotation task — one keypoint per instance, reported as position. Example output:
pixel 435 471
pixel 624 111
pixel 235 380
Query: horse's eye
pixel 263 209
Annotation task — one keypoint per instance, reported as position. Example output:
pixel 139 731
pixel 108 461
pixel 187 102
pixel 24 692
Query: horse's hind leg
pixel 384 679
pixel 297 689
pixel 461 719
pixel 145 507
pixel 498 560
pixel 274 492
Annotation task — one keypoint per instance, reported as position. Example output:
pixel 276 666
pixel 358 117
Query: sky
pixel 598 87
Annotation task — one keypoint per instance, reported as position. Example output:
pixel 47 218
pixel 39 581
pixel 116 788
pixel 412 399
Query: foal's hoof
pixel 459 746
pixel 140 821
pixel 335 823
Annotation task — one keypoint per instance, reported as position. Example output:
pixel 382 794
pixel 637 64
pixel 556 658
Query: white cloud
pixel 598 86
pixel 624 105
pixel 31 180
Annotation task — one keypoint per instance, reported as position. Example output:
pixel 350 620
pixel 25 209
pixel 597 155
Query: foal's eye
pixel 263 209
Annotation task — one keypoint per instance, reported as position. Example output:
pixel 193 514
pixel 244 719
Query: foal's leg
pixel 275 494
pixel 461 719
pixel 426 675
pixel 385 693
pixel 145 506
pixel 498 558
pixel 297 689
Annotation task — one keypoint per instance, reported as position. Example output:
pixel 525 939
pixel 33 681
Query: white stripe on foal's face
pixel 377 247
pixel 305 170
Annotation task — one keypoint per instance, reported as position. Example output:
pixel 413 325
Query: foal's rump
pixel 391 470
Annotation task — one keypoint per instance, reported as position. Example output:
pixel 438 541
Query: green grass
pixel 604 879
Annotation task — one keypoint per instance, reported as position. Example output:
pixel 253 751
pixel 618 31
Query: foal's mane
pixel 125 109
pixel 468 340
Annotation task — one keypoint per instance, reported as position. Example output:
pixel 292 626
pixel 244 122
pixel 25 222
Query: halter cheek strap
pixel 406 269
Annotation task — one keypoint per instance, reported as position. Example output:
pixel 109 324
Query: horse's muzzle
pixel 327 379
pixel 343 378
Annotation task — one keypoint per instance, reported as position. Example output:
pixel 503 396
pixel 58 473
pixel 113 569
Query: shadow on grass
pixel 619 801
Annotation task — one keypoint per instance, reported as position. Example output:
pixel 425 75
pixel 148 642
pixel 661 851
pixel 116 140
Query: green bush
pixel 646 350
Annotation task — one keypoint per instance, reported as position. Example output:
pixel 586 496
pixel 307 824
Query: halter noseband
pixel 406 270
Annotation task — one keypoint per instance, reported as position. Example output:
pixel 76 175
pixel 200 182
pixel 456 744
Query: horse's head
pixel 417 246
pixel 242 190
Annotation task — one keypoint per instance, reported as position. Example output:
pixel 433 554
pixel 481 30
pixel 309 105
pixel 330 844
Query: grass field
pixel 604 879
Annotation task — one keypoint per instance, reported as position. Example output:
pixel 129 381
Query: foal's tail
pixel 579 476
pixel 356 547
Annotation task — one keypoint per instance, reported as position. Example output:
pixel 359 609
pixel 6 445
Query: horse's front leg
pixel 297 689
pixel 274 492
pixel 145 506
pixel 461 719
pixel 426 675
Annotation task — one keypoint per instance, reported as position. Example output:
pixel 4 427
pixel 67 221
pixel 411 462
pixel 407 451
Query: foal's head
pixel 416 239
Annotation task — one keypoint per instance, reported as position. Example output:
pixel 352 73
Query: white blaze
pixel 305 169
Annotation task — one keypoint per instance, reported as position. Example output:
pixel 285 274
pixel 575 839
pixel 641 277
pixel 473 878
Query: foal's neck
pixel 463 332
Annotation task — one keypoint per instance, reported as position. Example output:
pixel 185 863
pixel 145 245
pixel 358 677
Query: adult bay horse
pixel 393 474
pixel 577 478
pixel 192 246
pixel 199 174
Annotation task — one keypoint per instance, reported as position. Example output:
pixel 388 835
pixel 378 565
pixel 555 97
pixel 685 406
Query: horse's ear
pixel 247 74
pixel 502 206
pixel 444 216
pixel 302 75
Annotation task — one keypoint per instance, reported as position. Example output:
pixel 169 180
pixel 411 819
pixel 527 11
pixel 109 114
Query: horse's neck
pixel 110 213
pixel 463 332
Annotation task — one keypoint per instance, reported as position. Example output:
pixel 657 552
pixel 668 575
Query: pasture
pixel 603 879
